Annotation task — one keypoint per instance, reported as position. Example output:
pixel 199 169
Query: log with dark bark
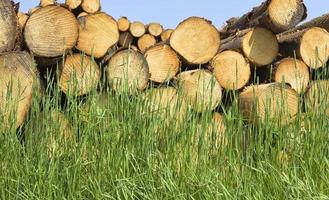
pixel 8 26
pixel 126 39
pixel 259 45
pixel 275 15
pixel 196 40
pixel 311 45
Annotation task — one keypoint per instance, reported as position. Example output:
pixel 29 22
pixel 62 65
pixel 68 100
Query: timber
pixel 145 42
pixel 8 26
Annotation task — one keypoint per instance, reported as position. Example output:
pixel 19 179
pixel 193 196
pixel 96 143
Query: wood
pixel 311 45
pixel 59 36
pixel 123 24
pixel 200 89
pixel 293 72
pixel 91 6
pixel 8 26
pixel 73 4
pixel 317 98
pixel 83 14
pixel 97 33
pixel 231 70
pixel 32 10
pixel 268 103
pixel 127 71
pixel 145 42
pixel 16 87
pixel 259 45
pixel 154 29
pixel 163 63
pixel 22 19
pixel 126 39
pixel 137 29
pixel 79 75
pixel 275 15
pixel 196 40
pixel 44 3
pixel 165 35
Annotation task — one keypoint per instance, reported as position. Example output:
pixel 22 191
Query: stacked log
pixel 8 26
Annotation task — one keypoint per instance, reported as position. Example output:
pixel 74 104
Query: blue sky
pixel 171 12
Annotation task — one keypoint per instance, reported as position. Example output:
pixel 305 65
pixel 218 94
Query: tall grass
pixel 114 149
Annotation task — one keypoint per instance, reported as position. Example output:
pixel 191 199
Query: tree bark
pixel 126 39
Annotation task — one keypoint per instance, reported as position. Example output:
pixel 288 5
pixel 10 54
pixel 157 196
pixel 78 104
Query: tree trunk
pixel 98 33
pixel 44 3
pixel 8 26
pixel 163 62
pixel 79 75
pixel 165 35
pixel 196 40
pixel 51 31
pixel 127 71
pixel 317 98
pixel 154 29
pixel 259 45
pixel 123 24
pixel 73 4
pixel 137 29
pixel 145 42
pixel 231 70
pixel 200 89
pixel 16 87
pixel 91 6
pixel 293 72
pixel 268 103
pixel 311 45
pixel 126 39
pixel 275 15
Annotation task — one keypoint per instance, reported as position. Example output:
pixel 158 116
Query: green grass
pixel 120 151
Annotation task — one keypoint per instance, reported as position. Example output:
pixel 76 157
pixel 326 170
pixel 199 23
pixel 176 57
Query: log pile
pixel 196 60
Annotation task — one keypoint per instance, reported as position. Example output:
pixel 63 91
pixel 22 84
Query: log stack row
pixel 202 61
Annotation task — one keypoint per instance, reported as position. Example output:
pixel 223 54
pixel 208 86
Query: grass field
pixel 110 147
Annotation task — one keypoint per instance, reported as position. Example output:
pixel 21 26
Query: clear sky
pixel 171 12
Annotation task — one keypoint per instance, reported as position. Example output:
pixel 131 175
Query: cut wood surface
pixel 259 45
pixel 22 19
pixel 16 87
pixel 269 103
pixel 44 3
pixel 145 42
pixel 154 29
pixel 126 39
pixel 200 89
pixel 196 40
pixel 231 70
pixel 165 35
pixel 97 33
pixel 311 45
pixel 79 75
pixel 137 29
pixel 51 31
pixel 32 10
pixel 91 6
pixel 163 62
pixel 127 71
pixel 8 26
pixel 82 14
pixel 317 97
pixel 294 72
pixel 275 15
pixel 73 4
pixel 123 24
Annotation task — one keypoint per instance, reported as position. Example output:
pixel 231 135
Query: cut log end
pixel 294 72
pixel 137 29
pixel 314 47
pixel 163 62
pixel 73 4
pixel 91 6
pixel 127 71
pixel 231 70
pixel 317 98
pixel 196 40
pixel 201 90
pixel 286 14
pixel 22 19
pixel 165 35
pixel 44 3
pixel 155 29
pixel 260 46
pixel 8 26
pixel 145 42
pixel 51 31
pixel 123 24
pixel 97 33
pixel 79 76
